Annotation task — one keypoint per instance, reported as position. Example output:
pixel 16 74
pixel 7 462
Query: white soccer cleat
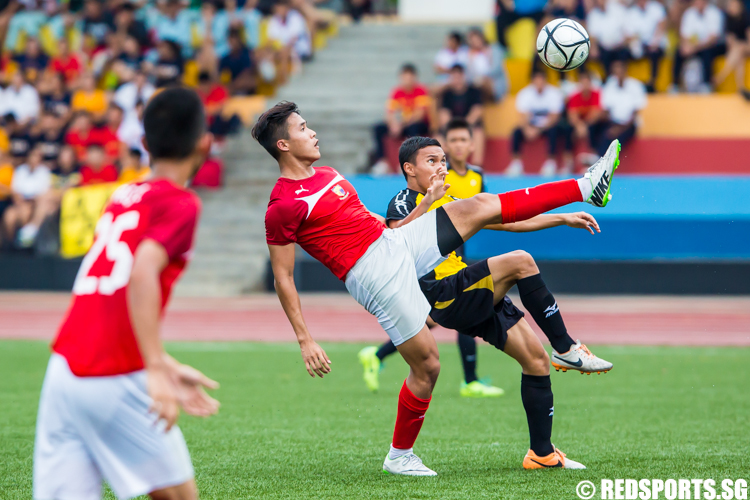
pixel 407 465
pixel 600 175
pixel 580 358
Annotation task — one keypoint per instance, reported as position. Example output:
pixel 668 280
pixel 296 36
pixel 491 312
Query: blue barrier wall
pixel 649 218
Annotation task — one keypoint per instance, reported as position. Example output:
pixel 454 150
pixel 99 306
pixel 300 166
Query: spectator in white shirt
pixel 289 28
pixel 701 36
pixel 647 30
pixel 454 52
pixel 540 105
pixel 20 99
pixel 622 98
pixel 129 94
pixel 30 180
pixel 606 24
pixel 486 66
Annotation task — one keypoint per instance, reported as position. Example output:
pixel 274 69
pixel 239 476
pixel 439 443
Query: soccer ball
pixel 563 44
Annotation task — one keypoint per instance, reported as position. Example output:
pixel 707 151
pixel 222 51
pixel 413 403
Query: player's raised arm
pixel 170 384
pixel 282 264
pixel 580 220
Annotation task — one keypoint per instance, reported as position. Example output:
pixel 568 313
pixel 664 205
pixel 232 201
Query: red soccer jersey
pixel 585 105
pixel 96 337
pixel 108 173
pixel 324 216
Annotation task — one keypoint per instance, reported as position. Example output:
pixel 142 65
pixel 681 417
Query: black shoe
pixel 746 94
pixel 650 88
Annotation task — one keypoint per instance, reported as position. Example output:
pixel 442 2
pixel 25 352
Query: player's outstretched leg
pixel 421 353
pixel 371 358
pixel 519 268
pixel 472 214
pixel 536 393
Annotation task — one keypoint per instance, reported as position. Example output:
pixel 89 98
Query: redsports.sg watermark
pixel 669 489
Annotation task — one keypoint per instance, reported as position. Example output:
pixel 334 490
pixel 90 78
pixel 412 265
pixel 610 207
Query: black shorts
pixel 464 302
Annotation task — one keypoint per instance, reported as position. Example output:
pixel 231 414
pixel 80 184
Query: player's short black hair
pixel 458 67
pixel 174 120
pixel 457 37
pixel 409 68
pixel 407 153
pixel 272 126
pixel 538 72
pixel 457 123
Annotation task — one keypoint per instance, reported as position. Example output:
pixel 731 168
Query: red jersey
pixel 324 216
pixel 96 337
pixel 70 67
pixel 408 102
pixel 585 105
pixel 107 173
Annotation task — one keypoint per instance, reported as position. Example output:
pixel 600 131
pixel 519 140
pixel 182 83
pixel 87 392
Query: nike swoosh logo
pixel 558 464
pixel 578 363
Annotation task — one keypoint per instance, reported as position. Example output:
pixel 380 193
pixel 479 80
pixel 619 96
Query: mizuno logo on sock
pixel 552 411
pixel 551 310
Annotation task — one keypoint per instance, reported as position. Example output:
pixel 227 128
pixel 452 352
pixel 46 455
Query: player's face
pixel 458 145
pixel 428 161
pixel 302 142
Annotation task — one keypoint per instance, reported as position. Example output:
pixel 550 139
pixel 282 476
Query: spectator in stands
pixel 133 170
pixel 173 23
pixel 540 105
pixel 127 59
pixel 288 28
pixel 570 9
pixel 48 136
pixel 213 26
pixel 238 63
pixel 20 99
pixel 462 100
pixel 647 30
pixel 622 98
pixel 128 26
pixel 66 63
pixel 64 176
pixel 19 139
pixel 98 23
pixel 168 68
pixel 407 115
pixel 214 97
pixel 606 25
pixel 129 94
pixel 33 61
pixel 454 52
pixel 30 180
pixel 55 96
pixel 510 11
pixel 701 36
pixel 96 169
pixel 248 19
pixel 80 134
pixel 89 98
pixel 6 179
pixel 485 68
pixel 584 112
pixel 738 46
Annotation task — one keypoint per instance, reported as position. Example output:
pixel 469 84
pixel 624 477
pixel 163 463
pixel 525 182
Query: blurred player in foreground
pixel 318 209
pixel 112 395
pixel 472 299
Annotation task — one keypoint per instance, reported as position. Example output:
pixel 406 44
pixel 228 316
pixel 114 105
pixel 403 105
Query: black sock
pixel 542 306
pixel 467 346
pixel 386 350
pixel 536 394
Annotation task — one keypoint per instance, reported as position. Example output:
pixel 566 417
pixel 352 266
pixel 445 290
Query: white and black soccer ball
pixel 563 44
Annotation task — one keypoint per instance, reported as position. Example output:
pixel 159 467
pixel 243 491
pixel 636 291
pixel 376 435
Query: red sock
pixel 409 419
pixel 530 202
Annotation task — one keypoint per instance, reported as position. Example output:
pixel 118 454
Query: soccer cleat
pixel 477 389
pixel 555 460
pixel 371 364
pixel 600 175
pixel 580 358
pixel 407 465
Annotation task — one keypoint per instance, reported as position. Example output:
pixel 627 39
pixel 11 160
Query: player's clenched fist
pixel 315 358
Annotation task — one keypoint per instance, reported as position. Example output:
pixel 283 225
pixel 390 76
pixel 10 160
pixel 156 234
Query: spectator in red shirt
pixel 107 135
pixel 214 97
pixel 407 115
pixel 96 169
pixel 584 111
pixel 80 135
pixel 66 63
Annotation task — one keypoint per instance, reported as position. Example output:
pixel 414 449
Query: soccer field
pixel 663 412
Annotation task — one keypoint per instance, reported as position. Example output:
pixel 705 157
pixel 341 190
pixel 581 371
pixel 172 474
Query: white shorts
pixel 91 429
pixel 385 280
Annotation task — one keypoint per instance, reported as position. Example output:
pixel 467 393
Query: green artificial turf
pixel 663 412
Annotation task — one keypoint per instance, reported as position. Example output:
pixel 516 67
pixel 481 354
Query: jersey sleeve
pixel 282 223
pixel 174 226
pixel 400 206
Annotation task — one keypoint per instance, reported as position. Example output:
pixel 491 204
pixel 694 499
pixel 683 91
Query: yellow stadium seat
pixel 729 85
pixel 521 37
pixel 500 119
pixel 190 74
pixel 246 107
pixel 263 32
pixel 519 73
pixel 490 32
pixel 320 40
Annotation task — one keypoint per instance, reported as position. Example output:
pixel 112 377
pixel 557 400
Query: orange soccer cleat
pixel 556 459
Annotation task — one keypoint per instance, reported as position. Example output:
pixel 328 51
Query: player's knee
pixel 524 264
pixel 538 364
pixel 432 369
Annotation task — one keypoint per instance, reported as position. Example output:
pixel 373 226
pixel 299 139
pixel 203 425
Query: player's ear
pixel 282 145
pixel 409 169
pixel 204 145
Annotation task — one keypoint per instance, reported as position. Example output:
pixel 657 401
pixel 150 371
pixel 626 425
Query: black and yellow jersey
pixel 467 185
pixel 402 205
